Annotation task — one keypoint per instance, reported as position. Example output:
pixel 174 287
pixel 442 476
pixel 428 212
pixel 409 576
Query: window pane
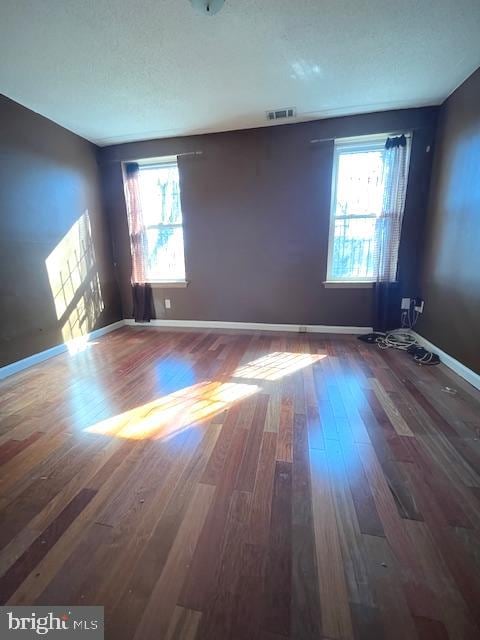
pixel 160 191
pixel 353 248
pixel 359 183
pixel 165 254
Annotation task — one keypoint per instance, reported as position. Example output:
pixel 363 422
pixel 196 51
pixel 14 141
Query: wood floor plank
pixel 184 624
pixel 258 531
pixel 248 467
pixel 451 608
pixel 430 629
pixel 365 508
pixel 285 431
pixel 350 536
pixel 394 415
pixel 155 621
pixel 385 575
pixel 453 555
pixel 17 573
pixel 243 486
pixel 53 570
pixel 367 622
pixel 305 602
pixel 197 588
pixel 11 448
pixel 218 616
pixel 336 618
pixel 279 562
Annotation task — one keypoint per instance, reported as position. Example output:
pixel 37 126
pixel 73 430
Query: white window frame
pixel 154 163
pixel 358 144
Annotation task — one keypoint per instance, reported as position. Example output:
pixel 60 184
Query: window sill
pixel 348 284
pixel 172 284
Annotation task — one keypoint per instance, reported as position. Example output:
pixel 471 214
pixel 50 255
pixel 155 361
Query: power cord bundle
pixel 399 339
pixel 404 340
pixel 422 356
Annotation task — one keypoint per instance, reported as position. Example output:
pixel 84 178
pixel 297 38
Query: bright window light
pixel 357 200
pixel 162 214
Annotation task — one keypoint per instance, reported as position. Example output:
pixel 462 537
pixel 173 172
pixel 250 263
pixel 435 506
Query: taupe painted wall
pixel 451 270
pixel 256 210
pixel 48 179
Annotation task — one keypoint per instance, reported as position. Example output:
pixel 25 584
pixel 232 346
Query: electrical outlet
pixel 405 304
pixel 419 304
pixel 168 304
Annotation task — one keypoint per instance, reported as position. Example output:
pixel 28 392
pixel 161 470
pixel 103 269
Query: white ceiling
pixel 122 70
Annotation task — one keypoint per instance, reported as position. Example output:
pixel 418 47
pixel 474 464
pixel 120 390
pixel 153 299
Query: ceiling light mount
pixel 208 7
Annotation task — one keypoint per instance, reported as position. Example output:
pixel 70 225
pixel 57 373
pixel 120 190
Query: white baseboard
pixel 36 358
pixel 250 326
pixel 456 366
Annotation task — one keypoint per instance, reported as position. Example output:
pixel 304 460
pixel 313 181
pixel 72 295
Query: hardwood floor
pixel 246 486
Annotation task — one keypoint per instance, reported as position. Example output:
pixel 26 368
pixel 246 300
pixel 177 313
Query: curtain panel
pixel 388 231
pixel 142 295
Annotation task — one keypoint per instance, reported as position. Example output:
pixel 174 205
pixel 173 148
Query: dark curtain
pixel 386 300
pixel 143 308
pixel 387 234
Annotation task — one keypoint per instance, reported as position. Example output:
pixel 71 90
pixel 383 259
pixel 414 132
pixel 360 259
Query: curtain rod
pixel 407 134
pixel 317 140
pixel 145 162
pixel 190 153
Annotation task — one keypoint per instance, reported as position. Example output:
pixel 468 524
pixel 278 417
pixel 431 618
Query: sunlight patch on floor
pixel 276 365
pixel 80 344
pixel 170 414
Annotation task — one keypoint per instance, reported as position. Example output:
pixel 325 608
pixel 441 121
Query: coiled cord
pixel 398 339
pixel 404 340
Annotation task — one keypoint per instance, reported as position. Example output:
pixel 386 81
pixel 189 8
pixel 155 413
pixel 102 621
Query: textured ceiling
pixel 121 70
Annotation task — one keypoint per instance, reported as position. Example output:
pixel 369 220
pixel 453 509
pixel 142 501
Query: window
pixel 357 204
pixel 164 257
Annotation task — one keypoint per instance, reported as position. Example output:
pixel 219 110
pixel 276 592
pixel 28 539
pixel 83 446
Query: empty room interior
pixel 240 319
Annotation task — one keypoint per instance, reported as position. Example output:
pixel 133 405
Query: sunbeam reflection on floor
pixel 276 365
pixel 170 414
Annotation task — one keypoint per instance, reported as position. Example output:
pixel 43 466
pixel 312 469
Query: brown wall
pixel 256 210
pixel 48 180
pixel 451 270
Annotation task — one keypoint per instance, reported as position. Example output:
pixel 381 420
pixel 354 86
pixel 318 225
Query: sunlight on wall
pixel 276 365
pixel 168 415
pixel 75 283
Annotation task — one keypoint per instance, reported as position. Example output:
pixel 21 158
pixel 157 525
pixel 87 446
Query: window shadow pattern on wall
pixel 74 281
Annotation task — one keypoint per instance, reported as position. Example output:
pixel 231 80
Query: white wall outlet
pixel 419 306
pixel 168 304
pixel 406 304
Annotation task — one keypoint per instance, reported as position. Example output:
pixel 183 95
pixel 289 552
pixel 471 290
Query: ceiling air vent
pixel 281 114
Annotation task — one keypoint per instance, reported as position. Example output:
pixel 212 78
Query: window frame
pixel 152 164
pixel 360 144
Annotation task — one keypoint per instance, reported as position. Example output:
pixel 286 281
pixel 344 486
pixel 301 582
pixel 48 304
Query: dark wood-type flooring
pixel 243 485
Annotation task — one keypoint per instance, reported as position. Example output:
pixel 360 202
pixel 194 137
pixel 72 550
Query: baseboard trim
pixel 450 362
pixel 250 326
pixel 36 358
